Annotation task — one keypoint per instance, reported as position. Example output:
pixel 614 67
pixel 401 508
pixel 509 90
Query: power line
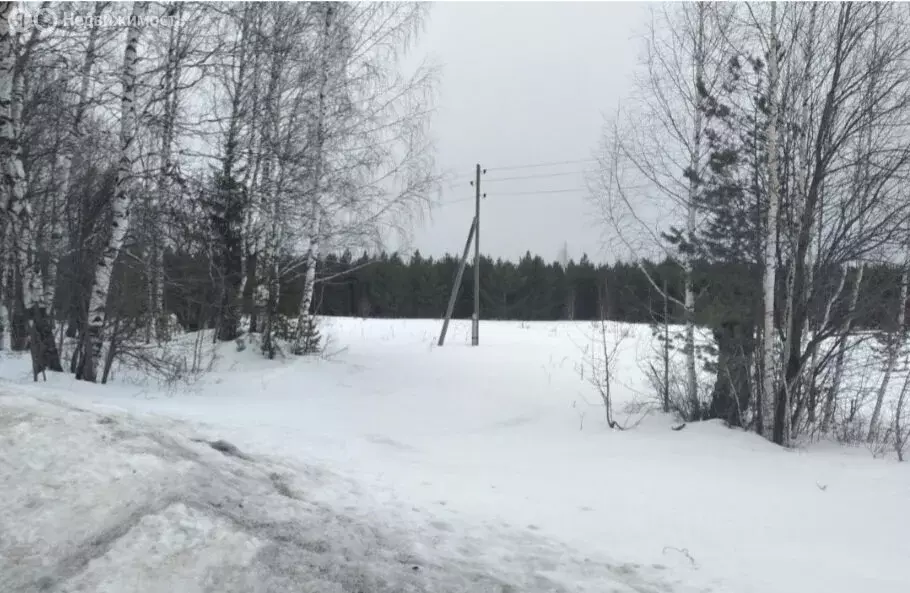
pixel 518 193
pixel 450 202
pixel 537 176
pixel 545 191
pixel 538 165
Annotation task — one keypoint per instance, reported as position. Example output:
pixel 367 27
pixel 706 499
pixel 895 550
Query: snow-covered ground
pixel 489 469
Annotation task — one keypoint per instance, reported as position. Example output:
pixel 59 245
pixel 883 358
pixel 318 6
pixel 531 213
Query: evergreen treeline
pixel 392 286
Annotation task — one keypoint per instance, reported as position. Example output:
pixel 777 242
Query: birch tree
pixel 229 205
pixel 318 139
pixel 9 149
pixel 662 152
pixel 93 341
pixel 694 174
pixel 20 226
pixel 847 210
pixel 769 334
pixel 70 142
pixel 305 328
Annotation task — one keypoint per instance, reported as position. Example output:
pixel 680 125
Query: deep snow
pixel 504 447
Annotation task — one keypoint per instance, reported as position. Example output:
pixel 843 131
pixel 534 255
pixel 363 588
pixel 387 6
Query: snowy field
pixel 393 465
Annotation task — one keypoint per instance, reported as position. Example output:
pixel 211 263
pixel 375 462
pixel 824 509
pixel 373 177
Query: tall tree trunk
pixel 267 297
pixel 273 294
pixel 805 214
pixel 65 165
pixel 695 159
pixel 769 335
pixel 13 68
pixel 304 335
pixel 5 279
pixel 94 344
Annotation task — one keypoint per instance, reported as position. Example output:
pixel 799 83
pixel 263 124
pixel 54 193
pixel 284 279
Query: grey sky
pixel 524 83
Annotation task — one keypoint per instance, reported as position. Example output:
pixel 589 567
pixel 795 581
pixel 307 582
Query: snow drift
pixel 104 502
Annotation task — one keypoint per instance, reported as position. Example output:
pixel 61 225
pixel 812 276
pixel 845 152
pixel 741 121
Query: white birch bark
pixel 695 158
pixel 304 322
pixel 7 147
pixel 121 202
pixel 20 238
pixel 266 297
pixel 770 271
pixel 258 184
pixel 17 209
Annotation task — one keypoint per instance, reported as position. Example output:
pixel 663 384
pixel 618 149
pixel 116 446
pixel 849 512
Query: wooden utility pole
pixel 475 322
pixel 473 234
pixel 457 286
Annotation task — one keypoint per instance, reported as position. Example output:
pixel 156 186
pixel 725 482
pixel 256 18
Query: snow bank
pixel 94 500
pixel 489 469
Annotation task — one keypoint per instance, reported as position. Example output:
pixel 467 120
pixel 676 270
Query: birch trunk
pixel 695 158
pixel 7 146
pixel 770 272
pixel 253 233
pixel 20 225
pixel 273 294
pixel 267 296
pixel 303 343
pixel 257 172
pixel 805 205
pixel 93 345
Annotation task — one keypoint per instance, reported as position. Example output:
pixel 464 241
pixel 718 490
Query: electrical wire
pixel 536 176
pixel 450 202
pixel 516 193
pixel 538 165
pixel 544 191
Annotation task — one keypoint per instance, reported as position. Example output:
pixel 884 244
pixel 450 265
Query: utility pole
pixel 473 234
pixel 475 322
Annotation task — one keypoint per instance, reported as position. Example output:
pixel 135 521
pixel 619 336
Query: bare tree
pixel 895 342
pixel 20 226
pixel 282 130
pixel 846 209
pixel 663 152
pixel 303 342
pixel 93 341
pixel 769 334
pixel 65 164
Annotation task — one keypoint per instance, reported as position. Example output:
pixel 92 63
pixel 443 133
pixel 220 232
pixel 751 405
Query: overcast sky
pixel 525 83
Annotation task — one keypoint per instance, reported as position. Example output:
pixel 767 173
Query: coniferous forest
pixel 532 289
